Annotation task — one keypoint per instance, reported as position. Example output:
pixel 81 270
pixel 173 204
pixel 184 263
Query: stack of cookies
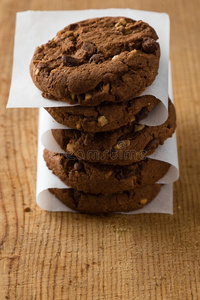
pixel 100 67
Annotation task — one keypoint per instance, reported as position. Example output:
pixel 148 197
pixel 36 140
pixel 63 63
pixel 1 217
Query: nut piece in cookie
pixel 102 121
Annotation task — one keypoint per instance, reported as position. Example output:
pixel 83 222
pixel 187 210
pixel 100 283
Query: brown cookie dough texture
pixel 105 179
pixel 106 116
pixel 103 59
pixel 122 146
pixel 118 202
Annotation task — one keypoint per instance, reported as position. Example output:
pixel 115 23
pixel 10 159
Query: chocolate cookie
pixel 97 178
pixel 118 202
pixel 104 117
pixel 122 146
pixel 96 60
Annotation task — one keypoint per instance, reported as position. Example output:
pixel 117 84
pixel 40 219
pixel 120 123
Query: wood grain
pixel 69 256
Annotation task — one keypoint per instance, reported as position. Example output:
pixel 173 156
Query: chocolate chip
pixel 125 173
pixel 69 156
pixel 41 65
pixel 87 138
pixel 27 209
pixel 134 45
pixel 121 29
pixel 70 61
pixel 120 175
pixel 113 153
pixel 78 166
pixel 88 120
pixel 129 173
pixel 149 45
pixel 96 58
pixel 51 44
pixel 152 145
pixel 142 114
pixel 90 48
pixel 76 198
pixel 73 26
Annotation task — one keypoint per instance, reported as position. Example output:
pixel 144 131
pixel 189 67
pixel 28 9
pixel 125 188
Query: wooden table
pixel 70 256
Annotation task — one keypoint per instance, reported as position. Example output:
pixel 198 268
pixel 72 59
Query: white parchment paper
pixel 34 28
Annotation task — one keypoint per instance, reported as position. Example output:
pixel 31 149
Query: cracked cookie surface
pixel 106 116
pixel 99 203
pixel 105 179
pixel 121 146
pixel 108 58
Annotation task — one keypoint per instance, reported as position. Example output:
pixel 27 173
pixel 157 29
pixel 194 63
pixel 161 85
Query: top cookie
pixel 103 59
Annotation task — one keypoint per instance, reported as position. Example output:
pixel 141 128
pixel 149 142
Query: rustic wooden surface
pixel 69 256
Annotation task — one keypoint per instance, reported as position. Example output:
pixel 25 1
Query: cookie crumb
pixel 27 209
